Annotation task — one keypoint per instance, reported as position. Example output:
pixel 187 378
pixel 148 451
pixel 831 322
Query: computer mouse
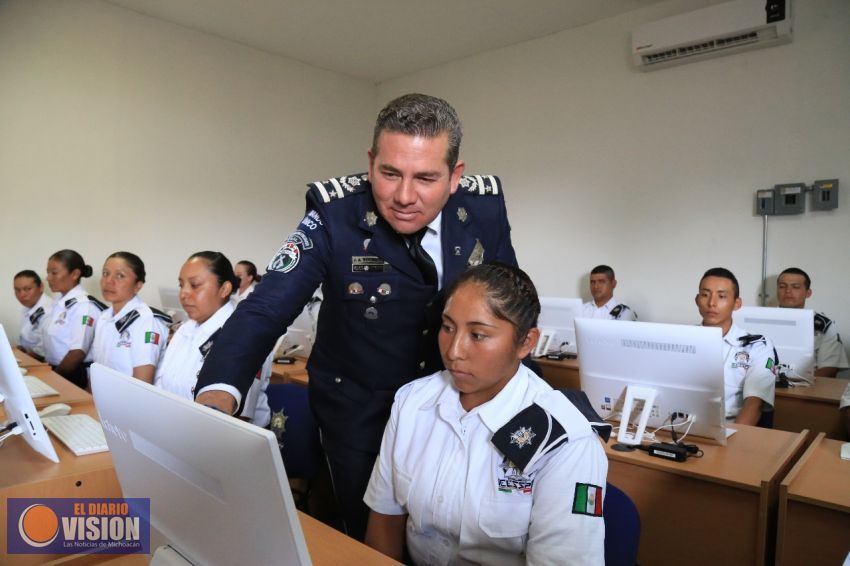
pixel 23 371
pixel 54 410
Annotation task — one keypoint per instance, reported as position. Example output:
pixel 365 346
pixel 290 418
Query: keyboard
pixel 38 388
pixel 80 433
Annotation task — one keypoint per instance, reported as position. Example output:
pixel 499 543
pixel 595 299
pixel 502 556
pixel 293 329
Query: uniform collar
pixel 41 302
pixel 609 306
pixel 131 304
pixel 76 292
pixel 217 319
pixel 735 332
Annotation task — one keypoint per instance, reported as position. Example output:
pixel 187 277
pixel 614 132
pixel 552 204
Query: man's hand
pixel 221 400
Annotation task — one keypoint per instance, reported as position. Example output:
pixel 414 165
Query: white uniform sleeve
pixel 845 398
pixel 560 533
pixel 627 314
pixel 149 337
pixel 380 495
pixel 83 318
pixel 760 380
pixel 831 353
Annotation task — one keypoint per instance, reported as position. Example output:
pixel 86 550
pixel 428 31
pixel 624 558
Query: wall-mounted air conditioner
pixel 717 30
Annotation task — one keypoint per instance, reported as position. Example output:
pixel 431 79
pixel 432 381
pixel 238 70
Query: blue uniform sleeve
pixel 248 336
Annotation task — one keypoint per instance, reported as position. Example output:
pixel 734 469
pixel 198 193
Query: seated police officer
pixel 381 245
pixel 749 360
pixel 793 287
pixel 604 305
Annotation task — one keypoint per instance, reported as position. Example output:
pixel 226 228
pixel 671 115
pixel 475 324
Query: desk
pixel 713 510
pixel 814 408
pixel 69 393
pixel 290 373
pixel 814 507
pixel 560 373
pixel 25 360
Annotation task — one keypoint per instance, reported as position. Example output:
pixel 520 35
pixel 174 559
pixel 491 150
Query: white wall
pixel 654 173
pixel 119 131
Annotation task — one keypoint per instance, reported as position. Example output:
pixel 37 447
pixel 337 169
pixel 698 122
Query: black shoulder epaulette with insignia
pixel 339 187
pixel 748 339
pixel 70 303
pixel 36 316
pixel 615 312
pixel 480 184
pixel 822 323
pixel 126 320
pixel 580 401
pixel 528 436
pixel 101 306
pixel 207 346
pixel 161 316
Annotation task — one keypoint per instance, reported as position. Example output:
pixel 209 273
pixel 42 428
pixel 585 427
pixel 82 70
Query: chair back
pixel 296 429
pixel 622 528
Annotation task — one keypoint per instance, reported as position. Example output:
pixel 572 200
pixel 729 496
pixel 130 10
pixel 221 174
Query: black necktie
pixel 421 258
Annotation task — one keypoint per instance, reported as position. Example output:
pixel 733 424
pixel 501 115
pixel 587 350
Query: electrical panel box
pixel 825 194
pixel 764 202
pixel 789 198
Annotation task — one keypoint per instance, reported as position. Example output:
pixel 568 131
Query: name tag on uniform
pixel 369 263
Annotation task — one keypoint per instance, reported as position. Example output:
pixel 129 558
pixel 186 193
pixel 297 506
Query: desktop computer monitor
pixel 169 299
pixel 682 365
pixel 217 486
pixel 792 331
pixel 18 404
pixel 557 332
pixel 301 334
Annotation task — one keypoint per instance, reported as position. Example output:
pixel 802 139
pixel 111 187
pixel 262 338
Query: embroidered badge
pixel 286 259
pixel 301 240
pixel 587 500
pixel 124 340
pixel 510 479
pixel 88 321
pixel 522 436
pixel 742 360
pixel 462 214
pixel 278 425
pixel 371 218
pixel 151 338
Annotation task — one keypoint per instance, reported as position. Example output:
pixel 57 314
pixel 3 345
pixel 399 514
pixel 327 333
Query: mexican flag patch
pixel 88 321
pixel 588 500
pixel 151 338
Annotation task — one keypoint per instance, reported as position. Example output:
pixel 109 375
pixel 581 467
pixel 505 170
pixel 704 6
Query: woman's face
pixel 200 294
pixel 241 272
pixel 59 279
pixel 478 348
pixel 27 291
pixel 118 283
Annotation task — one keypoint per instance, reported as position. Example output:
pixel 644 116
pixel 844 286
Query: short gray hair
pixel 421 115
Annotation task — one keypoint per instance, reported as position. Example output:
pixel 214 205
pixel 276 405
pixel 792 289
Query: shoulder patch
pixel 528 436
pixel 70 303
pixel 339 187
pixel 101 306
pixel 748 339
pixel 36 316
pixel 580 401
pixel 480 184
pixel 618 310
pixel 126 320
pixel 822 323
pixel 161 316
pixel 587 500
pixel 207 346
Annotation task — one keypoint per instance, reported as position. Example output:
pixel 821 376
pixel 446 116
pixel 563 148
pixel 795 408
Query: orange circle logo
pixel 38 525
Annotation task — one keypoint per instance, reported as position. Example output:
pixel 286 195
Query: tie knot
pixel 420 234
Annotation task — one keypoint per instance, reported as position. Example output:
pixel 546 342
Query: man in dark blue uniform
pixel 381 245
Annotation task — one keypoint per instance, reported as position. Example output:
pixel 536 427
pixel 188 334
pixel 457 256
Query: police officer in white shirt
pixel 131 336
pixel 458 478
pixel 793 287
pixel 206 282
pixel 69 330
pixel 844 407
pixel 29 290
pixel 603 305
pixel 247 276
pixel 749 359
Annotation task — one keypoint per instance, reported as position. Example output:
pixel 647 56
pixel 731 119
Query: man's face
pixel 716 301
pixel 602 288
pixel 791 291
pixel 411 181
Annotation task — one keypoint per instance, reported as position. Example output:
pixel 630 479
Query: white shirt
pixel 829 350
pixel 437 464
pixel 432 243
pixel 32 320
pixel 184 357
pixel 239 297
pixel 748 371
pixel 71 325
pixel 845 398
pixel 590 310
pixel 140 342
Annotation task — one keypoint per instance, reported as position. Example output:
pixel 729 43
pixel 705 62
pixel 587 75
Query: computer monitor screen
pixel 792 332
pixel 18 404
pixel 217 486
pixel 169 298
pixel 556 324
pixel 682 364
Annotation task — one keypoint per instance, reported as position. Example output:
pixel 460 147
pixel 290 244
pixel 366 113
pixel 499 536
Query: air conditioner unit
pixel 717 30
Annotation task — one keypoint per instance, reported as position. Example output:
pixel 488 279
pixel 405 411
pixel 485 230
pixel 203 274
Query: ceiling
pixel 379 40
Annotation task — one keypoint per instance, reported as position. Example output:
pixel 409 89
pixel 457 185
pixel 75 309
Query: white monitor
pixel 792 331
pixel 557 332
pixel 301 334
pixel 169 300
pixel 217 486
pixel 22 417
pixel 682 364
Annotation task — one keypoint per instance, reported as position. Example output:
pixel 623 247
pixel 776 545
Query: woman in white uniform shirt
pixel 440 483
pixel 130 336
pixel 69 330
pixel 29 290
pixel 206 282
pixel 246 273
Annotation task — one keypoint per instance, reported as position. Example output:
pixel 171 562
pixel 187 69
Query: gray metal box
pixel 789 198
pixel 764 202
pixel 825 194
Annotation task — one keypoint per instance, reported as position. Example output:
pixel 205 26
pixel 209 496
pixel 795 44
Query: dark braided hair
pixel 510 294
